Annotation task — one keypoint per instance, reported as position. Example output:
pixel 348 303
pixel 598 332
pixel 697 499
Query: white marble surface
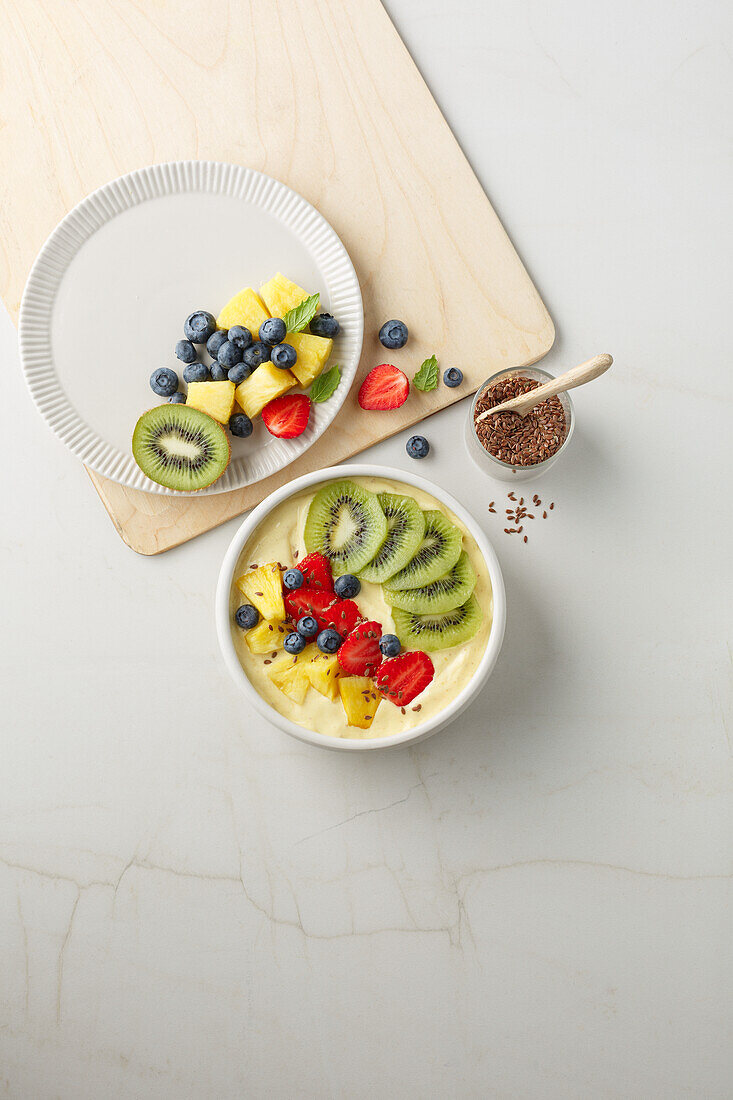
pixel 535 903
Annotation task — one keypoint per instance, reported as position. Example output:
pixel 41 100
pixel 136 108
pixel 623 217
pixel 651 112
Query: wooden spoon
pixel 578 376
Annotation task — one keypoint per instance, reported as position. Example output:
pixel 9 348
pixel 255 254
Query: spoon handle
pixel 577 376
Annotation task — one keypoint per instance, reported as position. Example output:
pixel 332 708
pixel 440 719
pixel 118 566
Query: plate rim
pixel 101 206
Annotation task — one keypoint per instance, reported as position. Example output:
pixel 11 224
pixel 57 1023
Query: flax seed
pixel 525 538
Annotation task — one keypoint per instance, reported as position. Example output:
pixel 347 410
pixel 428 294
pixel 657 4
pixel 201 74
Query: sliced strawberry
pixel 325 608
pixel 385 387
pixel 316 569
pixel 343 615
pixel 402 678
pixel 287 416
pixel 360 654
pixel 308 601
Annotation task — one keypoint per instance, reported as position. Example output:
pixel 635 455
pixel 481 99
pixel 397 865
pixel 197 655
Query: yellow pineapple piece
pixel 262 386
pixel 280 295
pixel 267 636
pixel 360 699
pixel 245 309
pixel 287 675
pixel 321 671
pixel 313 353
pixel 263 588
pixel 214 398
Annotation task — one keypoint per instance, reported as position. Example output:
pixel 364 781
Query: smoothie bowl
pixel 360 607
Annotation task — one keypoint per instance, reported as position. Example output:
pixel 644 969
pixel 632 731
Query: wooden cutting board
pixel 319 93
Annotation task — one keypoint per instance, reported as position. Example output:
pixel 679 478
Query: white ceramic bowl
pixel 324 741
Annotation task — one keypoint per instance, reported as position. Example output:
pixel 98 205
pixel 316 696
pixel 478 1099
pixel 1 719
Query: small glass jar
pixel 495 467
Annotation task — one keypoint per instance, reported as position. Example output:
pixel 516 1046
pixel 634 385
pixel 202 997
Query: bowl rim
pixel 312 737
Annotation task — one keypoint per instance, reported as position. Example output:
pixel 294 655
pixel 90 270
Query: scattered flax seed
pixel 268 661
pixel 552 505
pixel 511 496
pixel 544 515
pixel 403 710
pixel 418 707
pixel 525 538
pixel 518 514
pixel 273 655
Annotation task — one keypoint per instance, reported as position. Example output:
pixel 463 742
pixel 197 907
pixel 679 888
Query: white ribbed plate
pixel 108 294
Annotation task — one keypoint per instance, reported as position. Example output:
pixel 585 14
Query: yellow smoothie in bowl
pixel 423 588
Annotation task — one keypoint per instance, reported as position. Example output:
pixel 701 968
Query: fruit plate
pixel 107 295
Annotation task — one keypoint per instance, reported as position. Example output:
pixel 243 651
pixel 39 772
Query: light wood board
pixel 319 93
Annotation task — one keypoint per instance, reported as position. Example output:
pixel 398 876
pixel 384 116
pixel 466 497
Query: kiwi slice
pixel 347 524
pixel 405 530
pixel 431 632
pixel 449 591
pixel 438 552
pixel 180 448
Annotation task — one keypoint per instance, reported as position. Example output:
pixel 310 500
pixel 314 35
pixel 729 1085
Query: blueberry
pixel 389 644
pixel 239 373
pixel 307 626
pixel 347 586
pixel 325 325
pixel 240 336
pixel 417 446
pixel 195 372
pixel 218 373
pixel 247 616
pixel 256 354
pixel 215 341
pixel 177 399
pixel 453 377
pixel 229 354
pixel 294 643
pixel 283 355
pixel 393 334
pixel 164 381
pixel 199 327
pixel 329 640
pixel 186 352
pixel 241 425
pixel 272 331
pixel 293 578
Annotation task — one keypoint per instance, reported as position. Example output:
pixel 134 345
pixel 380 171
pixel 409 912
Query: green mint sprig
pixel 427 377
pixel 301 315
pixel 325 385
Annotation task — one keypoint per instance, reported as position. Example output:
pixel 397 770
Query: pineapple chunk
pixel 214 398
pixel 313 353
pixel 267 636
pixel 264 384
pixel 245 309
pixel 263 588
pixel 288 676
pixel 321 671
pixel 360 700
pixel 280 295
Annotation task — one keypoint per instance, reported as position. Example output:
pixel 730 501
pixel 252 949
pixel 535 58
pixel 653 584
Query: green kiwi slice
pixel 449 591
pixel 405 530
pixel 347 524
pixel 180 448
pixel 438 552
pixel 431 632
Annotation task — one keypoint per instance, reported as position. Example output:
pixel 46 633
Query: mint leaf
pixel 427 377
pixel 297 318
pixel 325 385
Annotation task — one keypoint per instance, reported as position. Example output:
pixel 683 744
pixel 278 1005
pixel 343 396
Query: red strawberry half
pixel 360 654
pixel 385 387
pixel 401 679
pixel 325 608
pixel 287 416
pixel 316 570
pixel 308 601
pixel 343 615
